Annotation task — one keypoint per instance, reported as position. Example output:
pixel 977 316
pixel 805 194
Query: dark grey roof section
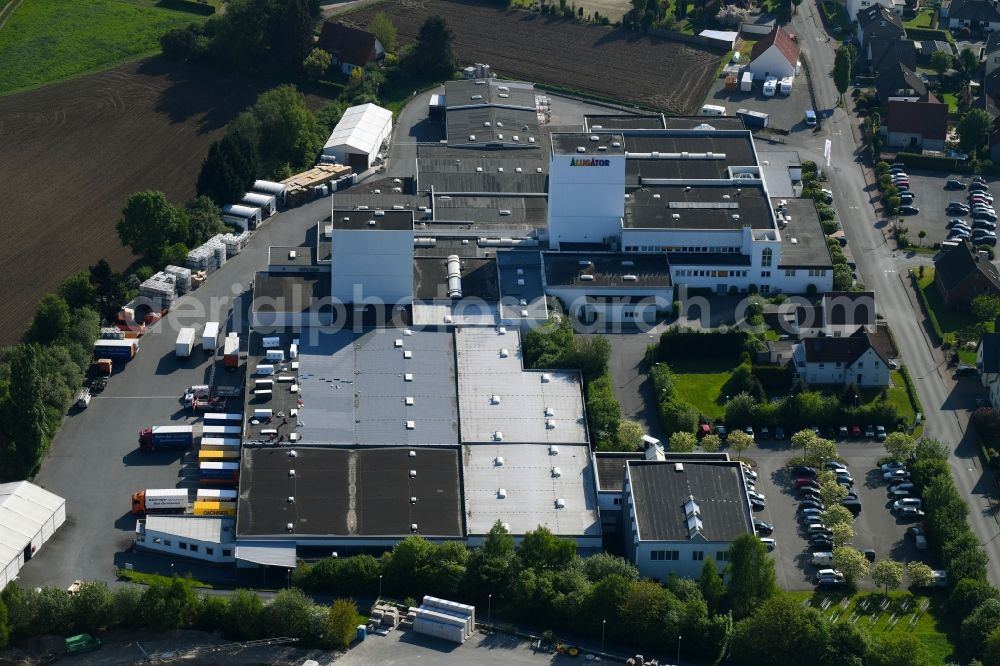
pixel 660 491
pixel 384 200
pixel 608 270
pixel 981 11
pixel 478 172
pixel 595 145
pixel 498 92
pixel 708 259
pixel 479 278
pixel 377 218
pixel 707 156
pixel 699 122
pixel 349 492
pixel 610 465
pixel 508 212
pixel 289 292
pixel 492 125
pixel 294 257
pixel 803 243
pixel 699 207
pixel 521 279
pixel 609 123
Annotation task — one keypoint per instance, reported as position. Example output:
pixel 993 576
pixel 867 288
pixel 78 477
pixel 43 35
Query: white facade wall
pixel 691 558
pixel 958 23
pixel 575 298
pixel 586 203
pixel 771 63
pixel 867 370
pixel 639 238
pixel 854 6
pixel 180 546
pixel 374 266
pixel 797 280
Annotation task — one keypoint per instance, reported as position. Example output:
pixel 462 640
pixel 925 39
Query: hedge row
pixel 928 310
pixel 686 343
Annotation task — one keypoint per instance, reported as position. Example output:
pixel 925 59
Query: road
pixel 885 271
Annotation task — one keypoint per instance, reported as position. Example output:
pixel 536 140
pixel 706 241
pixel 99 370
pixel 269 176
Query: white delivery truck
pixel 746 83
pixel 210 335
pixel 185 342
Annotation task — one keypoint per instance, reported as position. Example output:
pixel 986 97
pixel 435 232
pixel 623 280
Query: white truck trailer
pixel 210 336
pixel 185 342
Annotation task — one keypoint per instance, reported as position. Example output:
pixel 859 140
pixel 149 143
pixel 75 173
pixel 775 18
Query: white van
pixel 713 110
pixel 768 542
pixel 822 559
pixel 770 85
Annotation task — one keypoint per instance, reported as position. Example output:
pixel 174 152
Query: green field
pixel 931 628
pixel 700 383
pixel 49 40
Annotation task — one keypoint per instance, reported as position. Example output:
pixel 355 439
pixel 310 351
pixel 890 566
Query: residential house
pixel 855 6
pixel 350 47
pixel 858 359
pixel 927 47
pixel 776 54
pixel 916 126
pixel 897 82
pixel 977 15
pixel 838 314
pixel 991 54
pixel 759 24
pixel 879 53
pixel 988 365
pixel 962 273
pixel 678 514
pixel 877 22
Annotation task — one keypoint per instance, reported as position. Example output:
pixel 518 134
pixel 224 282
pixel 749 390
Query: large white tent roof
pixel 24 508
pixel 360 128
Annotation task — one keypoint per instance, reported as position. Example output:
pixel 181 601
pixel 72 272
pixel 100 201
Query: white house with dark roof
pixel 975 14
pixel 678 514
pixel 852 360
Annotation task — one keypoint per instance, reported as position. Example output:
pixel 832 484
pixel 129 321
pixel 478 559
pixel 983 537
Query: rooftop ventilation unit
pixel 501 493
pixel 587 278
pixel 628 262
pixel 407 354
pixel 498 436
pixel 290 499
pixel 675 216
pixel 494 400
pixel 538 169
pixel 549 411
pixel 656 196
pixel 398 343
pixel 504 212
pixel 498 461
pixel 289 527
pixel 546 378
pixel 293 453
pixel 506 527
pixel 472 137
pixel 504 353
pixel 556 472
pixel 410 425
pixel 553 450
pixel 291 254
pixel 594 137
pixel 531 139
pixel 503 329
pixel 630 278
pixel 585 262
pixel 581 149
pixel 412 454
pixel 486 123
pixel 408 401
pixel 678 467
pixel 408 377
pixel 347 219
pixel 413 499
pixel 560 503
pixel 616 144
pixel 413 527
pixel 413 473
pixel 371 223
pixel 602 148
pixel 479 169
pixel 516 138
pixel 291 473
pixel 550 424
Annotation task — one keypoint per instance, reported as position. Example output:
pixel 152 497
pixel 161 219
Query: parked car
pixel 985 239
pixel 959 234
pixel 855 431
pixel 817 529
pixel 895 475
pixel 984 215
pixel 768 542
pixel 843 474
pixel 812 504
pixel 721 431
pixel 827 194
pixel 810 494
pixel 802 471
pixel 765 433
pixel 880 433
pixel 762 527
pixel 755 495
pixel 896 169
pixel 869 554
pixel 749 474
pixel 821 545
pixel 907 501
pixel 896 493
pixel 953 184
pixel 779 433
pixel 852 505
pixel 806 483
pixel 957 207
pixel 810 118
pixel 869 431
pixel 906 198
pixel 845 481
pixel 908 210
pixel 834 465
pixel 890 466
pixel 984 224
pixel 756 504
pixel 955 221
pixel 965 369
pixel 842 432
pixel 749 430
pixel 810 516
pixel 909 513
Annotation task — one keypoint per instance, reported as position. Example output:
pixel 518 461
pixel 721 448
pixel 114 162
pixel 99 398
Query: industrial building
pixel 208 539
pixel 358 137
pixel 29 516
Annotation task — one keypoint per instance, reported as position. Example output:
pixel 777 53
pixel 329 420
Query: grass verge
pixel 50 40
pixel 700 383
pixel 933 628
pixel 144 578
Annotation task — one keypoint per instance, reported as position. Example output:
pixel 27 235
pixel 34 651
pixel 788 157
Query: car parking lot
pixel 875 527
pixel 787 112
pixel 932 199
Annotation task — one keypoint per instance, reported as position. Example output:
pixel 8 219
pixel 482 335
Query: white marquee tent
pixel 29 516
pixel 356 139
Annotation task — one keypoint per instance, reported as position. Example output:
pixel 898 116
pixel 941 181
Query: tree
pixel 888 574
pixel 540 549
pixel 316 63
pixel 683 442
pixel 711 443
pixel 340 623
pixel 92 606
pixel 980 623
pixel 4 627
pixel 677 415
pixel 740 410
pixel 149 223
pixel 836 515
pixel 819 450
pixel 780 631
pixel 842 70
pixel 630 435
pixel 293 37
pixel 842 533
pixel 602 565
pixel 900 446
pixel 986 307
pixel 802 438
pixel 244 616
pixel 850 562
pixel 969 61
pixel 51 320
pixel 973 130
pixel 203 220
pixel 968 595
pixel 711 585
pixel 941 62
pixel 77 290
pixel 922 234
pixel 751 575
pixel 432 54
pixel 232 164
pixel 831 492
pixel 286 128
pixel 739 442
pixel 384 30
pixel 920 574
pixel 900 649
pixel 290 613
pixel 991 648
pixel 22 414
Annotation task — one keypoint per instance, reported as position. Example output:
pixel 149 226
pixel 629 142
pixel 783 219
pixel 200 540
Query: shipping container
pixel 166 437
pixel 753 119
pixel 267 203
pixel 123 350
pixel 270 187
pixel 746 83
pixel 210 336
pixel 228 442
pixel 245 217
pixel 218 473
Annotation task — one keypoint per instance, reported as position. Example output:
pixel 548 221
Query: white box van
pixel 822 559
pixel 770 85
pixel 713 110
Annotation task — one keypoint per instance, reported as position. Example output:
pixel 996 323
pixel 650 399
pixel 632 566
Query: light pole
pixel 678 651
pixel 489 608
pixel 379 587
pixel 603 625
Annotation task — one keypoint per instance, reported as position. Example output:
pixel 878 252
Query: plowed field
pixel 72 152
pixel 593 59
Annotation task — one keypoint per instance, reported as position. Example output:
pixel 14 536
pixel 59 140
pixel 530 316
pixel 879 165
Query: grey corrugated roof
pixel 476 172
pixel 492 125
pixel 803 244
pixel 659 493
pixel 697 207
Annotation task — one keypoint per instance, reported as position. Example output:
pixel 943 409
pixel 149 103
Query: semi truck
pixel 217 494
pixel 218 473
pixel 116 350
pixel 210 336
pixel 158 438
pixel 214 508
pixel 162 500
pixel 220 453
pixel 231 351
pixel 220 418
pixel 185 342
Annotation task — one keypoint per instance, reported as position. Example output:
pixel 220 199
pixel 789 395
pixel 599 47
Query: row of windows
pixel 813 272
pixel 697 555
pixel 690 272
pixel 860 365
pixel 192 547
pixel 683 248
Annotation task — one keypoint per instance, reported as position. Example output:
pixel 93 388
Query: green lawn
pixel 49 40
pixel 932 628
pixel 951 99
pixel 149 578
pixel 699 383
pixel 923 19
pixel 950 321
